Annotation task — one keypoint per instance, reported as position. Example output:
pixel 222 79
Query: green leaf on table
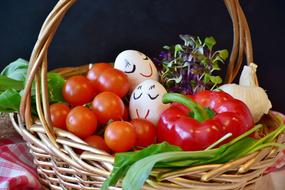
pixel 16 70
pixel 123 161
pixel 55 85
pixel 9 101
pixel 8 83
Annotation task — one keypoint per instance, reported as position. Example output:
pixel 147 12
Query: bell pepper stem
pixel 200 113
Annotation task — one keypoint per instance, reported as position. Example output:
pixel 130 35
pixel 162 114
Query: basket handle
pixel 242 43
pixel 37 70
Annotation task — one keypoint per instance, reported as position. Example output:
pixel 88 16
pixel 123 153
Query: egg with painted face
pixel 137 66
pixel 146 101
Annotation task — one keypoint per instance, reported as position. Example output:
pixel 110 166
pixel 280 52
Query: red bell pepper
pixel 202 120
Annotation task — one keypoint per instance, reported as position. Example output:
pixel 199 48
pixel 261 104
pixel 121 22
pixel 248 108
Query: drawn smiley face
pixel 137 66
pixel 146 101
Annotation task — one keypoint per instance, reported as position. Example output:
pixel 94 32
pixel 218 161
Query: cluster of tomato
pixel 95 104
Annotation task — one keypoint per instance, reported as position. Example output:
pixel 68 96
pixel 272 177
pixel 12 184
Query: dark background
pixel 97 30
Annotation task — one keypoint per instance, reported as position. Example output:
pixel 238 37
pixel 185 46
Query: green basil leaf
pixel 124 160
pixel 8 83
pixel 10 101
pixel 55 85
pixel 16 70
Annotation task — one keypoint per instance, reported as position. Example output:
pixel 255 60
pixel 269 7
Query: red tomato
pixel 97 142
pixel 58 113
pixel 96 70
pixel 120 136
pixel 108 106
pixel 78 90
pixel 115 81
pixel 81 121
pixel 145 132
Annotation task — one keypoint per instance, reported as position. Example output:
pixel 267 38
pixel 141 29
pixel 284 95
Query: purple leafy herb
pixel 188 68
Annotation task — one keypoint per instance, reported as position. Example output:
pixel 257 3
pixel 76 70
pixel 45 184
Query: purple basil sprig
pixel 189 68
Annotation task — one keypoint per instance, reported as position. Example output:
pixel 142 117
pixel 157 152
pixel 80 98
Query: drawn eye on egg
pixel 129 68
pixel 140 93
pixel 151 96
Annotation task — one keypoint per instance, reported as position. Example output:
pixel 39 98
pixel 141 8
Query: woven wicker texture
pixel 64 161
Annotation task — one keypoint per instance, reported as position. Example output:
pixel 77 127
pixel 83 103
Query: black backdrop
pixel 97 30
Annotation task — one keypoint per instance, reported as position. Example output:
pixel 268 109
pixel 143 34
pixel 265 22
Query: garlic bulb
pixel 253 96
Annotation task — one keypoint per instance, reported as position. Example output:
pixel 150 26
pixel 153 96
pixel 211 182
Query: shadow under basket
pixel 64 161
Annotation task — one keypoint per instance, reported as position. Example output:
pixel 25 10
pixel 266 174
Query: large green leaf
pixel 16 70
pixel 55 85
pixel 12 81
pixel 8 83
pixel 10 101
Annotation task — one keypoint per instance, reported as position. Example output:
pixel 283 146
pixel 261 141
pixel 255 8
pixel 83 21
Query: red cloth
pixel 17 170
pixel 280 162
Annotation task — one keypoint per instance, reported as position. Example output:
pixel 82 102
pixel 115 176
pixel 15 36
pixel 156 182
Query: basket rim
pixel 247 168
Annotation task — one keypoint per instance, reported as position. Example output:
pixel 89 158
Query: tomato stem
pixel 200 113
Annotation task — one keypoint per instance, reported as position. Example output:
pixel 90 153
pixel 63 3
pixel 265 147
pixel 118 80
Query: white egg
pixel 137 66
pixel 146 101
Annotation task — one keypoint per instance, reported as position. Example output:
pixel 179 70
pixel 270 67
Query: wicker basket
pixel 60 167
